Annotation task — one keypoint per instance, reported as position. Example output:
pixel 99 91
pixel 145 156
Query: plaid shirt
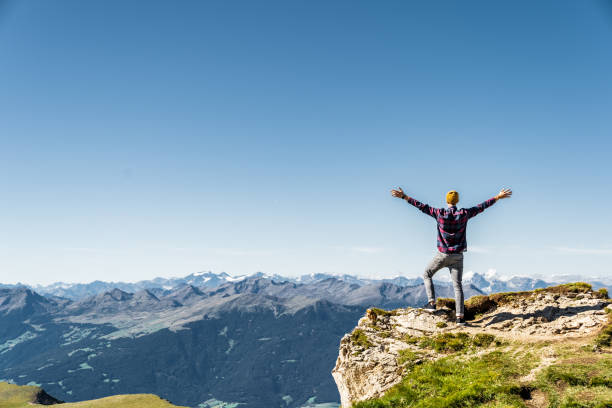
pixel 452 223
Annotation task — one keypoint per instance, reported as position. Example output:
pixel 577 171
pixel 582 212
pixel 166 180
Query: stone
pixel 362 374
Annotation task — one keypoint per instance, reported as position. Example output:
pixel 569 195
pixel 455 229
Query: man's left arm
pixel 473 211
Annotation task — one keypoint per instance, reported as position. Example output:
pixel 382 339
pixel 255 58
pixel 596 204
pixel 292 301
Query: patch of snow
pixel 322 405
pixel 235 278
pixel 493 274
pixel 468 275
pixel 10 344
pixel 87 349
pixel 232 343
pixel 82 366
pixel 215 403
pixel 43 367
pixel 75 335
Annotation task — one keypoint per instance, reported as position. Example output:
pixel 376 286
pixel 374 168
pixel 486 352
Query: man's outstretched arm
pixel 399 193
pixel 473 211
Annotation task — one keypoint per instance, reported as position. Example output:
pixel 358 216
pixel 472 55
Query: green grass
pixel 447 383
pixel 446 302
pixel 575 287
pixel 485 340
pixel 582 381
pixel 359 337
pixel 408 357
pixel 15 396
pixel 381 312
pixel 408 339
pixel 579 378
pixel 454 342
pixel 447 342
pixel 123 401
pixel 604 339
pixel 579 374
pixel 603 293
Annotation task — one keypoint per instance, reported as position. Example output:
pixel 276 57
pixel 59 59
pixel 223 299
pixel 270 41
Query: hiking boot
pixel 460 321
pixel 429 307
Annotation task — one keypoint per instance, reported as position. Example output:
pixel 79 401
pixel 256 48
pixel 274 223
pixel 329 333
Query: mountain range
pixel 200 341
pixel 488 282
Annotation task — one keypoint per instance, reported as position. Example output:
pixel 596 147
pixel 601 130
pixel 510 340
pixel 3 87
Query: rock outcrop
pixel 385 345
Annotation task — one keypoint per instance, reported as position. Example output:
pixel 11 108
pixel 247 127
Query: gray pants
pixel 454 262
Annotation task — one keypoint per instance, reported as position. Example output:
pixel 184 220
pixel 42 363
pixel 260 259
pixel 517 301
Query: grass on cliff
pixel 448 382
pixel 452 342
pixel 123 401
pixel 580 376
pixel 604 339
pixel 579 379
pixel 16 396
pixel 359 337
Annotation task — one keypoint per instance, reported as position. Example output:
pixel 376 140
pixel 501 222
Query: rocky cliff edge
pixel 386 346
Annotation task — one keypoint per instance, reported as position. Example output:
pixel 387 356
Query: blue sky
pixel 160 138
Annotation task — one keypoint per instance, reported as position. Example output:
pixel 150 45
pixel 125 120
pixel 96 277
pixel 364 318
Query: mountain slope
pixel 15 396
pixel 192 345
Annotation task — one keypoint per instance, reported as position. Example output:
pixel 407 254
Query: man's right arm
pixel 425 208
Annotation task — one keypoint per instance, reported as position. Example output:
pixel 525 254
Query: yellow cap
pixel 452 197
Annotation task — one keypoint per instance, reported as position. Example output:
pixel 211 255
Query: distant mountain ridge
pixel 203 339
pixel 211 280
pixel 193 344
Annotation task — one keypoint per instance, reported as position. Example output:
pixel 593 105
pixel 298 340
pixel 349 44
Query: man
pixel 452 223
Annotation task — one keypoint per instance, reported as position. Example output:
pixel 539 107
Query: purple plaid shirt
pixel 452 223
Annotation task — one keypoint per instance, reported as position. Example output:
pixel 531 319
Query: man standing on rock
pixel 452 224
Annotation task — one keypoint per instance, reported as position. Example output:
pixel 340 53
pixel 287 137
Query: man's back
pixel 452 223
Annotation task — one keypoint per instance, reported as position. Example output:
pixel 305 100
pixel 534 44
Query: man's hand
pixel 399 193
pixel 504 193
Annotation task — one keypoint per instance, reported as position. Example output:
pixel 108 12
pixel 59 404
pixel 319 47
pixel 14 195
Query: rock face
pixel 370 357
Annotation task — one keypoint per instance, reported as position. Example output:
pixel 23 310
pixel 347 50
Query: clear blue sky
pixel 160 138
